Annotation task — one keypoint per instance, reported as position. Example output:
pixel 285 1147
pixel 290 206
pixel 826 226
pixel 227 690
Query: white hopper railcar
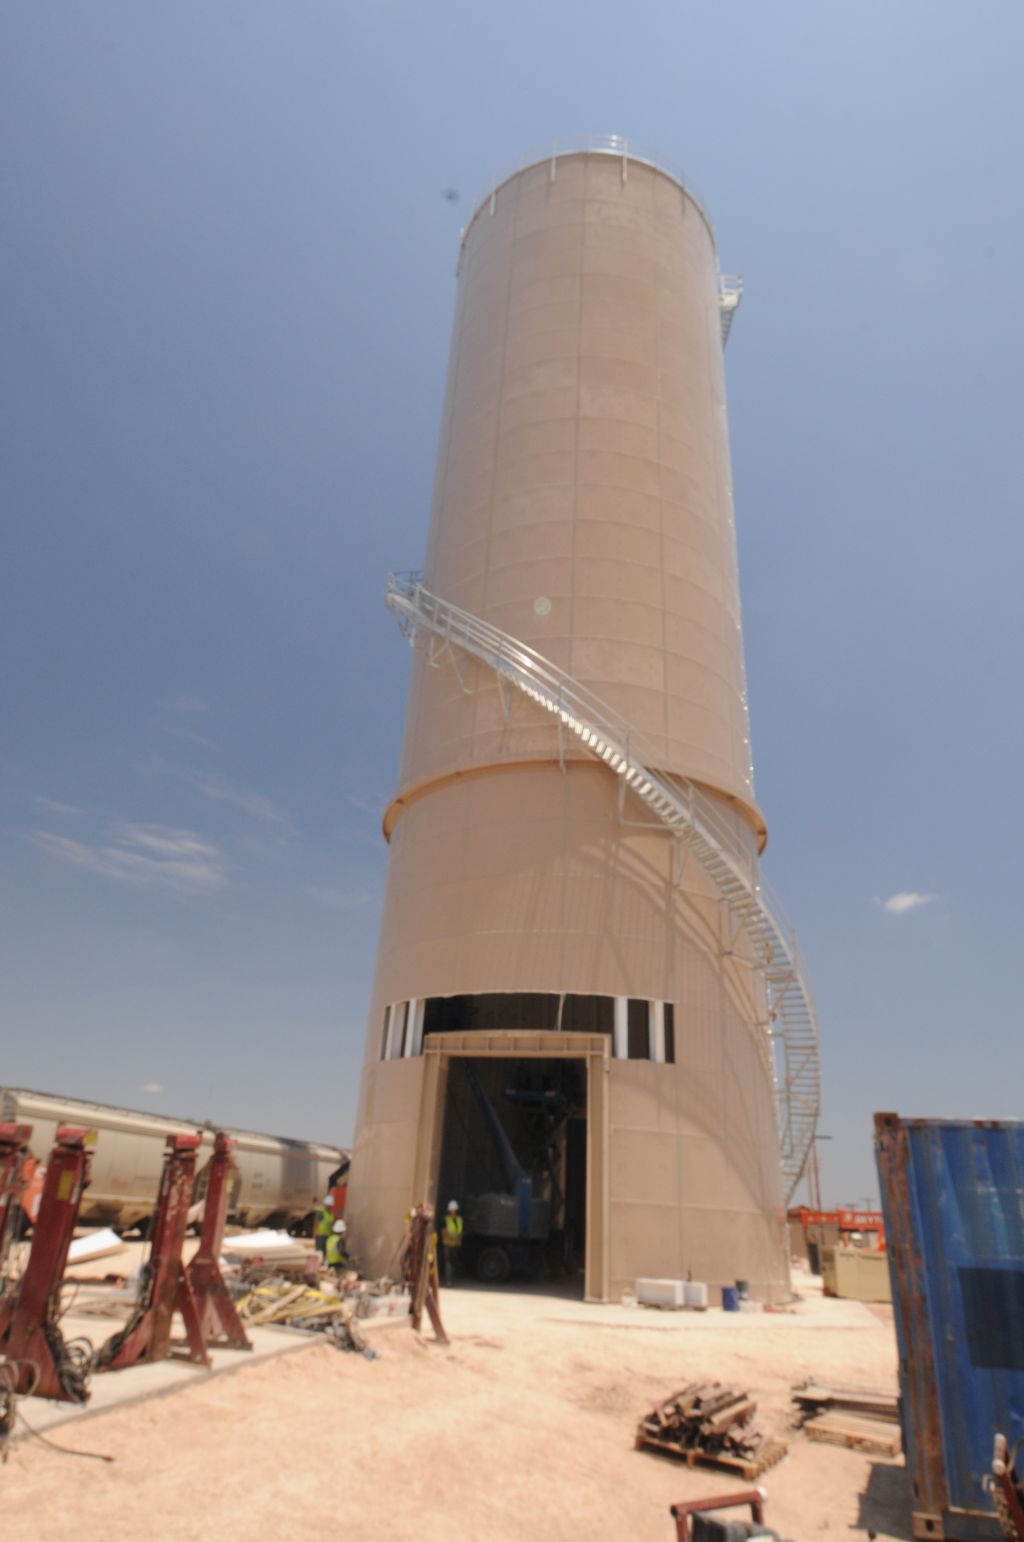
pixel 279 1181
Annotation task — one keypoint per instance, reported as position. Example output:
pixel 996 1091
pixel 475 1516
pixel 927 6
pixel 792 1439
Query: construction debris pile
pixel 317 1308
pixel 711 1424
pixel 303 1306
pixel 858 1418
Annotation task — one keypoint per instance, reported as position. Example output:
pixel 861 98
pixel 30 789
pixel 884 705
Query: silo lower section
pixel 548 946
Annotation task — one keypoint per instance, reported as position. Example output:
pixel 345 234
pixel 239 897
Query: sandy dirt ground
pixel 522 1428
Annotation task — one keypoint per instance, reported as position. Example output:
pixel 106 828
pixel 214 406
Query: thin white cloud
pixel 215 787
pixel 899 904
pixel 180 715
pixel 55 808
pixel 144 855
pixel 151 1087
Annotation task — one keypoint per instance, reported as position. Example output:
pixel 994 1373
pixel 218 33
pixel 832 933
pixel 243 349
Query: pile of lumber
pixel 713 1425
pixel 856 1417
pixel 301 1306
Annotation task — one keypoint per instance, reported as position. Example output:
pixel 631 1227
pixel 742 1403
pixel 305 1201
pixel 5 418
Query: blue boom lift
pixel 512 1230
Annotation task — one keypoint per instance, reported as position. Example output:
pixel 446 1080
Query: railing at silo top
pixel 616 146
pixel 791 1032
pixel 626 151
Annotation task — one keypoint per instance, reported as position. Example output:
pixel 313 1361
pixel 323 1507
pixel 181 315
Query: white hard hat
pixel 340 1226
pixel 453 1204
pixel 329 1200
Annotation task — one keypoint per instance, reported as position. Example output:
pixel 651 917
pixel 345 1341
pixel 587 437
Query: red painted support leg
pixel 420 1268
pixel 30 1313
pixel 221 1324
pixel 165 1284
pixel 14 1139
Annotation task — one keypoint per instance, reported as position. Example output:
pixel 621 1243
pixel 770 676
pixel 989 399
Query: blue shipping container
pixel 953 1198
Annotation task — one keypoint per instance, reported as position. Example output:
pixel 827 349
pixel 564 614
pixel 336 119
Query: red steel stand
pixel 220 1322
pixel 165 1283
pixel 30 1313
pixel 14 1139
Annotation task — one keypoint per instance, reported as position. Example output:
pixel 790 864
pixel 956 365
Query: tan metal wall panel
pixel 383 1158
pixel 582 503
pixel 564 899
pixel 586 400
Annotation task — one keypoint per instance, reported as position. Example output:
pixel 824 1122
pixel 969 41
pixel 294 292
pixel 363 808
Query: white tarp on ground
pixel 275 1246
pixel 96 1244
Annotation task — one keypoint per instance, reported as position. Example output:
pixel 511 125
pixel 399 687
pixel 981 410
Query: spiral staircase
pixel 681 808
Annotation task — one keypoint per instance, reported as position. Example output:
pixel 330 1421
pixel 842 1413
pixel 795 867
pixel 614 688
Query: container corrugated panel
pixel 953 1197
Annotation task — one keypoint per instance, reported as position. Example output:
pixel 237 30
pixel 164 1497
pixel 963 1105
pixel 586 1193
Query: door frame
pixel 439 1049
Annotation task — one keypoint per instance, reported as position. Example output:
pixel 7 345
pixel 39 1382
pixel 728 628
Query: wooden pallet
pixel 748 1468
pixel 874 1436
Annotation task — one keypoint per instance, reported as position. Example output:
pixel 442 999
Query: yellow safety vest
pixel 335 1248
pixel 325 1222
pixel 452 1231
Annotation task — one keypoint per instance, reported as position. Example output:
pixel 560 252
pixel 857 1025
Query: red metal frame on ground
pixel 219 1321
pixel 30 1313
pixel 681 1513
pixel 166 1287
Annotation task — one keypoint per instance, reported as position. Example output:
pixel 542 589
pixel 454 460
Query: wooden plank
pixel 880 1405
pixel 827 1390
pixel 870 1435
pixel 737 1413
pixel 264 1313
pixel 723 1398
pixel 645 1438
pixel 310 1309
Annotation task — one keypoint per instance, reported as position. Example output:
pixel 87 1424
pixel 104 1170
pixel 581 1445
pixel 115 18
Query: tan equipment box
pixel 857 1274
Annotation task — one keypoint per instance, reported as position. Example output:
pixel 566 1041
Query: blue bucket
pixel 730 1300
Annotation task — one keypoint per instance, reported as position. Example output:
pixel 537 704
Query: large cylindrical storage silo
pixel 549 945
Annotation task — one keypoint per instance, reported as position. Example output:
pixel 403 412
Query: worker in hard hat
pixel 337 1256
pixel 451 1240
pixel 324 1224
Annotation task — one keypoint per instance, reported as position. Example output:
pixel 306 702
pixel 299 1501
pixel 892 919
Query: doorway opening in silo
pixel 514 1156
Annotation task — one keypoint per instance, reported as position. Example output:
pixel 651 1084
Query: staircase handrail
pixel 406 592
pixel 730 863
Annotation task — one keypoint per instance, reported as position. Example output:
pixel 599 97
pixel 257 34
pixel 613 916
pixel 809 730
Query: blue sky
pixel 227 269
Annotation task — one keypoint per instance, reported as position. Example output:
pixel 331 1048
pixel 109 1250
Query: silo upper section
pixel 583 492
